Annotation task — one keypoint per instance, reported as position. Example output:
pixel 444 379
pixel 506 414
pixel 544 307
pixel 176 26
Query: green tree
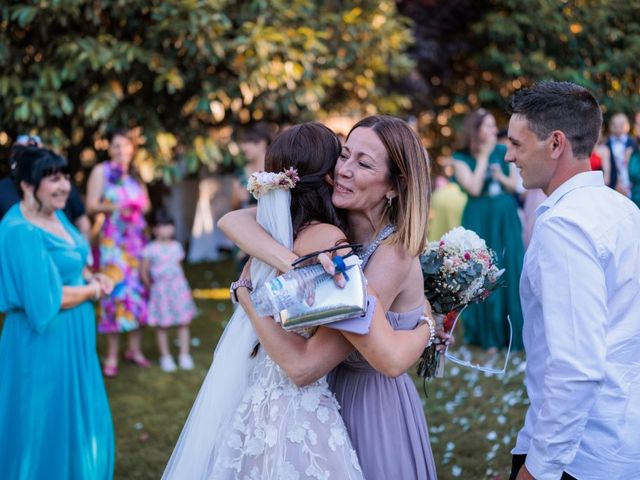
pixel 184 69
pixel 487 49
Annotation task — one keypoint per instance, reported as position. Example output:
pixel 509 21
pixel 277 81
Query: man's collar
pixel 584 179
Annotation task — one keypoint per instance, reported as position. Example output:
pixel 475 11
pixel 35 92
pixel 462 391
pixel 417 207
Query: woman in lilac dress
pixel 381 179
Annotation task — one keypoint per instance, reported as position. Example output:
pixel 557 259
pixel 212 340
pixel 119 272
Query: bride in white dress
pixel 251 421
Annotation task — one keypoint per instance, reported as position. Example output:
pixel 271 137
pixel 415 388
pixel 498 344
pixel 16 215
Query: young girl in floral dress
pixel 170 300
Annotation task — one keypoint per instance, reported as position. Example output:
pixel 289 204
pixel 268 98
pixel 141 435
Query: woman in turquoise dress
pixel 491 212
pixel 55 421
pixel 634 176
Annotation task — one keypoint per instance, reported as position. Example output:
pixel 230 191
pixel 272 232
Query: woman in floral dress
pixel 115 191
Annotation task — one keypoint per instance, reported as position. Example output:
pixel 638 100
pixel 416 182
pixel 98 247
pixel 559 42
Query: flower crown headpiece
pixel 263 182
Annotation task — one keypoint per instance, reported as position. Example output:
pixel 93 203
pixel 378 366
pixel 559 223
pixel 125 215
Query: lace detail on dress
pixel 281 431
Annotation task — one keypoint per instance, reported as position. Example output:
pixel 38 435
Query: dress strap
pixel 365 254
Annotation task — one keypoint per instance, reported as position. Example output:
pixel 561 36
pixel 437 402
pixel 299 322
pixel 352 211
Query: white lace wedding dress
pixel 280 431
pixel 249 420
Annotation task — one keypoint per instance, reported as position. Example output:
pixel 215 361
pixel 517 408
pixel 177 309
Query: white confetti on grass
pixel 456 471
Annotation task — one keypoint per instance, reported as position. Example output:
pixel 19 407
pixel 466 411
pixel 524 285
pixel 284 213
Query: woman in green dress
pixel 55 421
pixel 634 176
pixel 491 212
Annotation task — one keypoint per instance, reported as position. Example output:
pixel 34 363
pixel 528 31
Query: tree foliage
pixel 487 49
pixel 182 69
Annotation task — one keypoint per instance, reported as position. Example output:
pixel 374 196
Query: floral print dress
pixel 121 242
pixel 170 300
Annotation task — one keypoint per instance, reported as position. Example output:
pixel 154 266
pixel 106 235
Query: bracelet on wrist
pixel 243 282
pixel 96 287
pixel 432 329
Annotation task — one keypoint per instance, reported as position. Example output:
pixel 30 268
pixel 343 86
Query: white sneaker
pixel 167 364
pixel 185 362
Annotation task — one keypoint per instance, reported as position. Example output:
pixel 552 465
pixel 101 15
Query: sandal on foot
pixel 137 358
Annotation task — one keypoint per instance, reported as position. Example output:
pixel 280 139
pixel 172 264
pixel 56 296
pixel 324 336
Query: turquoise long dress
pixel 634 177
pixel 493 215
pixel 55 421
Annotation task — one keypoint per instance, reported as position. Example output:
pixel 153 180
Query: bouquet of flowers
pixel 458 270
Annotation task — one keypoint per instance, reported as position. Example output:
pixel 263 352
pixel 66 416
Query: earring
pixel 389 202
pixel 31 201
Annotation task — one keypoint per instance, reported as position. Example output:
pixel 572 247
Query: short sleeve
pixel 29 278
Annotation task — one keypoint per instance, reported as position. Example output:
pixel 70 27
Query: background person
pixel 492 212
pixel 9 194
pixel 170 300
pixel 115 190
pixel 55 420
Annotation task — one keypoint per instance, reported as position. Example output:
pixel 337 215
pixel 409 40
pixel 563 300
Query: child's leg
pixel 163 341
pixel 184 339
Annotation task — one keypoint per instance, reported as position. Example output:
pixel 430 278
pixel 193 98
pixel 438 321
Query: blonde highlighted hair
pixel 409 175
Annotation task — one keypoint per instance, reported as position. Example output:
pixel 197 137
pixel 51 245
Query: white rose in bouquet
pixel 464 239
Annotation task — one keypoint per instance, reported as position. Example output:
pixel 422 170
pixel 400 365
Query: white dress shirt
pixel 580 294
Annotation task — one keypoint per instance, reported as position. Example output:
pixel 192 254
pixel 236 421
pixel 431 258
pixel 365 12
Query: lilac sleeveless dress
pixel 384 415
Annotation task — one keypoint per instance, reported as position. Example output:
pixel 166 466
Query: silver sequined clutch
pixel 331 302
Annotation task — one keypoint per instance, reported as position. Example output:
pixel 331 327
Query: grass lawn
pixel 473 417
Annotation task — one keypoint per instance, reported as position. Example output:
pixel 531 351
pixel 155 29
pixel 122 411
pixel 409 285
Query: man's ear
pixel 558 143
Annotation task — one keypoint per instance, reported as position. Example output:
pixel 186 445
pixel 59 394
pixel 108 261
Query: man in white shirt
pixel 580 293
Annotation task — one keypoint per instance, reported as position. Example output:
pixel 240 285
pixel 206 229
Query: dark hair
pixel 563 106
pixel 312 149
pixel 119 132
pixel 33 164
pixel 467 138
pixel 255 132
pixel 162 217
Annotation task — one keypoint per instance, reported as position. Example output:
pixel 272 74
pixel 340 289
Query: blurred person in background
pixel 9 195
pixel 253 141
pixel 620 145
pixel 116 191
pixel 170 299
pixel 447 204
pixel 55 421
pixel 634 165
pixel 492 212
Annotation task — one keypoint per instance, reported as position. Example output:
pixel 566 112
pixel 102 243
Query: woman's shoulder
pixel 394 254
pixel 16 232
pixel 462 155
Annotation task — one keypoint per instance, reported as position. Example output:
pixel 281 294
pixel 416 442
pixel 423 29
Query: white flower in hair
pixel 262 182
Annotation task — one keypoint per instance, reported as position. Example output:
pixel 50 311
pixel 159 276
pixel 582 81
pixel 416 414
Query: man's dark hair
pixel 563 106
